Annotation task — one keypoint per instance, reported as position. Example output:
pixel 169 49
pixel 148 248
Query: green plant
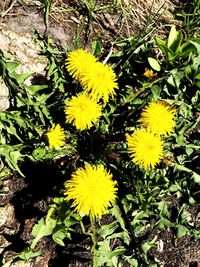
pixel 147 196
pixel 189 15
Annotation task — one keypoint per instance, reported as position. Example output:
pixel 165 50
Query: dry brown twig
pixel 4 13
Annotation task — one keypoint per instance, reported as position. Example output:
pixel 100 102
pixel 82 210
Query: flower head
pixel 78 61
pixel 56 136
pixel 158 117
pixel 146 149
pixel 82 111
pixel 100 81
pixel 149 74
pixel 92 190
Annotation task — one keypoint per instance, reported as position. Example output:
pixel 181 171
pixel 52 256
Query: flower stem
pixel 83 228
pixel 94 241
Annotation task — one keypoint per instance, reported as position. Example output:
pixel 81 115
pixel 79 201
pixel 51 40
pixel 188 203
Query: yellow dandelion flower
pixel 82 111
pixel 149 74
pixel 78 61
pixel 158 117
pixel 56 136
pixel 100 81
pixel 92 190
pixel 146 149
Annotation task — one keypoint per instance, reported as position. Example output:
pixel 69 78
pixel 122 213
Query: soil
pixel 22 203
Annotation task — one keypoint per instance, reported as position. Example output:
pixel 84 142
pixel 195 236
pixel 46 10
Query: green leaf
pixel 96 47
pixel 163 223
pixel 59 235
pixel 180 139
pixel 116 213
pixel 138 216
pixel 11 66
pixel 139 229
pixel 28 254
pixel 172 36
pixel 195 64
pixel 108 229
pixel 132 261
pixel 154 63
pixel 58 200
pixel 195 175
pixel 196 43
pixel 155 89
pixel 175 42
pixel 197 76
pixel 186 49
pixel 33 89
pixel 113 106
pixel 188 70
pixel 162 206
pixel 176 46
pixel 5 55
pixel 189 151
pixel 104 254
pixel 198 84
pixel 181 231
pixel 15 156
pixel 175 78
pixel 160 41
pixel 22 77
pixel 146 246
pixel 2 68
pixel 136 101
pixel 162 45
pixel 196 234
pixel 12 156
pixel 41 229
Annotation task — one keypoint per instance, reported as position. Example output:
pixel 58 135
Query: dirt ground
pixel 21 204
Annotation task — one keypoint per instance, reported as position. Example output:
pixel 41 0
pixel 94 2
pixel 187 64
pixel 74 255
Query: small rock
pixel 23 49
pixel 7 219
pixel 3 243
pixel 160 245
pixel 4 96
pixel 21 264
